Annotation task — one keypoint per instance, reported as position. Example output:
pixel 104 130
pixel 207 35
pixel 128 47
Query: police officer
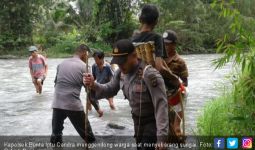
pixel 174 61
pixel 67 103
pixel 144 87
pixel 178 66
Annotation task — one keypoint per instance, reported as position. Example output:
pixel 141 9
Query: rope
pixel 183 119
pixel 140 111
pixel 139 122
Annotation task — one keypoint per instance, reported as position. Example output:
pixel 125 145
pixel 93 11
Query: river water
pixel 23 112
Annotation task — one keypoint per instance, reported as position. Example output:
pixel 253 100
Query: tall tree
pixel 113 19
pixel 15 24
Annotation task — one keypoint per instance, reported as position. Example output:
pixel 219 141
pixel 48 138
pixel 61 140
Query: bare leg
pixel 36 86
pixel 177 123
pixel 111 103
pixel 39 84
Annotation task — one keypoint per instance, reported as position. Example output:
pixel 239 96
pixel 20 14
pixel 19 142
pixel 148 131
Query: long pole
pixel 87 103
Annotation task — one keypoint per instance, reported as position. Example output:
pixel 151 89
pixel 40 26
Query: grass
pixel 226 117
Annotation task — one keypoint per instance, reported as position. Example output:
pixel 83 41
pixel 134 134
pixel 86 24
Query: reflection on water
pixel 23 112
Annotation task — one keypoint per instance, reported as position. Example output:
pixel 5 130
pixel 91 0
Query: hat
pixel 121 50
pixel 170 36
pixel 32 48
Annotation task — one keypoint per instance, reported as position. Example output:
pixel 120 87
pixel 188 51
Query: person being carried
pixel 178 66
pixel 38 68
pixel 144 88
pixel 102 72
pixel 67 103
pixel 148 20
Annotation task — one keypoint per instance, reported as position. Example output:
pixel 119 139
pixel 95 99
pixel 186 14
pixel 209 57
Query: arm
pixel 184 74
pixel 156 86
pixel 110 72
pixel 46 70
pixel 99 91
pixel 94 71
pixel 45 65
pixel 185 81
pixel 31 73
pixel 160 64
pixel 30 70
pixel 167 74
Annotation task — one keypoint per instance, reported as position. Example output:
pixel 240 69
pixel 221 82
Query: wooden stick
pixel 183 119
pixel 87 104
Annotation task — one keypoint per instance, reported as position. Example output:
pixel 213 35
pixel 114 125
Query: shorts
pixel 42 78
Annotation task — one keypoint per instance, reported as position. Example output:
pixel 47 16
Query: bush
pixel 226 116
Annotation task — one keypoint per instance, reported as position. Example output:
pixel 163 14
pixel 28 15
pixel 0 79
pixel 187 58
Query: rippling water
pixel 23 112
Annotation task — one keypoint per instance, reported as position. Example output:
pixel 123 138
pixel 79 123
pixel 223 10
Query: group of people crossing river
pixel 151 74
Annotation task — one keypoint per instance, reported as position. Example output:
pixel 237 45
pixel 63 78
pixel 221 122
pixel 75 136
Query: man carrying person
pixel 67 103
pixel 144 87
pixel 38 68
pixel 178 66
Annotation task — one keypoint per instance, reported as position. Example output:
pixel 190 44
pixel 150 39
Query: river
pixel 23 112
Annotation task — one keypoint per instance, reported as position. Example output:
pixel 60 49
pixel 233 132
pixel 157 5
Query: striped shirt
pixel 37 65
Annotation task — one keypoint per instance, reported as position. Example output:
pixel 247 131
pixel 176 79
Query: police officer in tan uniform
pixel 144 87
pixel 178 66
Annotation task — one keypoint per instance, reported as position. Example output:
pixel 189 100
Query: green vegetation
pixel 233 113
pixel 60 25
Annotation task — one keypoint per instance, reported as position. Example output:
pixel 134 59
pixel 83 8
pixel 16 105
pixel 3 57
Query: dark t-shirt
pixel 160 50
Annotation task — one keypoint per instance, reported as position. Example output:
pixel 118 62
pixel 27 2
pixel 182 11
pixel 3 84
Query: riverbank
pixel 53 53
pixel 228 115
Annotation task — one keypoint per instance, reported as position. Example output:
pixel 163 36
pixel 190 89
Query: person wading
pixel 178 66
pixel 38 68
pixel 102 72
pixel 67 103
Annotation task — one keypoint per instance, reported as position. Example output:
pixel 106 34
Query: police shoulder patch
pixel 153 80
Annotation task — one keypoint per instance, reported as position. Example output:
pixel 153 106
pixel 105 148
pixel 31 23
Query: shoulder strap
pixel 145 68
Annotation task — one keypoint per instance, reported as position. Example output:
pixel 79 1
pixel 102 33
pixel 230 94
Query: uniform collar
pixel 139 65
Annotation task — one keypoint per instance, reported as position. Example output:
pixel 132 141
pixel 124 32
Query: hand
pixel 88 79
pixel 89 106
pixel 100 113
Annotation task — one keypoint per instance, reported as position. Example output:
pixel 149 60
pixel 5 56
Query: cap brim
pixel 168 41
pixel 32 50
pixel 119 60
